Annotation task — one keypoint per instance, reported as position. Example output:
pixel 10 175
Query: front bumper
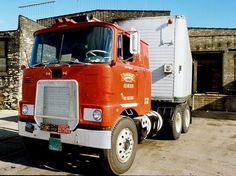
pixel 81 137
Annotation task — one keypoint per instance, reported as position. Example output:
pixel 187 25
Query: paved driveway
pixel 208 149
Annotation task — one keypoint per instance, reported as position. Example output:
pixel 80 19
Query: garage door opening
pixel 208 72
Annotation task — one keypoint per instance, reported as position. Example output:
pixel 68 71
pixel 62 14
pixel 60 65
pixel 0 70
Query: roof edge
pixel 100 10
pixel 218 28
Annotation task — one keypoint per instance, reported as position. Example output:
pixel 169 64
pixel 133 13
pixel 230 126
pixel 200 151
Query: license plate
pixel 48 127
pixel 55 144
pixel 29 127
pixel 63 129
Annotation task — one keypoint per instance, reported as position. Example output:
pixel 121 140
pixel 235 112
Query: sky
pixel 199 13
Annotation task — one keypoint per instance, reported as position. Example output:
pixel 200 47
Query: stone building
pixel 213 50
pixel 214 56
pixel 15 49
pixel 107 15
pixel 9 68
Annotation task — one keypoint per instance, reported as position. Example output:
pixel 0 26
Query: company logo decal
pixel 128 86
pixel 127 98
pixel 128 77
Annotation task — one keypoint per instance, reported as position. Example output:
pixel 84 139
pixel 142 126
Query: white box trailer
pixel 169 53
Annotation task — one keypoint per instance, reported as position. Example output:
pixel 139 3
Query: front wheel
pixel 120 157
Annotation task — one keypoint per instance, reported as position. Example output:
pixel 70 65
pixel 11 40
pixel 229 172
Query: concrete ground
pixel 209 148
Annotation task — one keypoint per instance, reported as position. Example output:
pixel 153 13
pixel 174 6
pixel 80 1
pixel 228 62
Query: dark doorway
pixel 209 72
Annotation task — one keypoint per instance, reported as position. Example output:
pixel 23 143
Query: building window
pixel 3 56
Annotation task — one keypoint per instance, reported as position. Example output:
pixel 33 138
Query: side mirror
pixel 113 63
pixel 120 45
pixel 134 42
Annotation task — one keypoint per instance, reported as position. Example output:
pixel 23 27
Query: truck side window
pixel 125 54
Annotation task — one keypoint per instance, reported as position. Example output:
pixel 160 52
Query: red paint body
pixel 101 85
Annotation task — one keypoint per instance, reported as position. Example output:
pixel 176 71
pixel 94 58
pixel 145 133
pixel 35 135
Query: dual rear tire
pixel 186 116
pixel 179 122
pixel 124 140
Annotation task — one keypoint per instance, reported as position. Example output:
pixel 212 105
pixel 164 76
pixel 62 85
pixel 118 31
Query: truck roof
pixel 65 23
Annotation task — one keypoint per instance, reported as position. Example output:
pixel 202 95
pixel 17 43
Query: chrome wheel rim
pixel 124 145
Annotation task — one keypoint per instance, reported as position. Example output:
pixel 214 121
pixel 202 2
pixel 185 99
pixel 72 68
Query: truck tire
pixel 124 139
pixel 175 123
pixel 36 149
pixel 186 118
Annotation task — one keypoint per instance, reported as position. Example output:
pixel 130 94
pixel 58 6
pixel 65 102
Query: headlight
pixel 25 109
pixel 97 115
pixel 93 114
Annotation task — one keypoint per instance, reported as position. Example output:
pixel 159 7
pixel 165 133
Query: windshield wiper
pixel 76 62
pixel 43 64
pixel 38 64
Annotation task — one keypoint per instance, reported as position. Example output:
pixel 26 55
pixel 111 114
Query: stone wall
pixel 214 102
pixel 107 15
pixel 217 40
pixel 26 29
pixel 19 44
pixel 210 40
pixel 9 82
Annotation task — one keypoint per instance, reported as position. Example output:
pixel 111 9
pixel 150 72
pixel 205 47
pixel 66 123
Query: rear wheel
pixel 186 118
pixel 175 123
pixel 120 157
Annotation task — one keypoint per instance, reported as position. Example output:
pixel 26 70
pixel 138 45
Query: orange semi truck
pixel 89 85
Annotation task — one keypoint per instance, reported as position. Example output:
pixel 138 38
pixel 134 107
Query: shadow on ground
pixel 10 119
pixel 221 115
pixel 12 150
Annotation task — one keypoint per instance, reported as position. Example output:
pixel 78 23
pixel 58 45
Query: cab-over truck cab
pixel 87 84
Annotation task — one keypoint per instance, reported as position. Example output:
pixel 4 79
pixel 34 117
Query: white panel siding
pixel 161 52
pixel 183 58
pixel 168 44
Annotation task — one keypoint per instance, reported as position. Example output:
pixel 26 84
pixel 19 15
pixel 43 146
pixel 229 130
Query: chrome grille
pixel 57 102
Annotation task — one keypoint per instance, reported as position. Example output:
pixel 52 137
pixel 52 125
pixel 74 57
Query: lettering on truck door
pixel 132 76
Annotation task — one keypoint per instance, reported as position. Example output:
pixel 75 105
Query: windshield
pixel 81 45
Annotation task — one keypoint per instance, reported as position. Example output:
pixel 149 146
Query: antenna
pixel 37 4
pixel 37 12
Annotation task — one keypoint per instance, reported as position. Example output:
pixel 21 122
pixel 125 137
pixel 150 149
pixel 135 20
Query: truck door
pixel 132 75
